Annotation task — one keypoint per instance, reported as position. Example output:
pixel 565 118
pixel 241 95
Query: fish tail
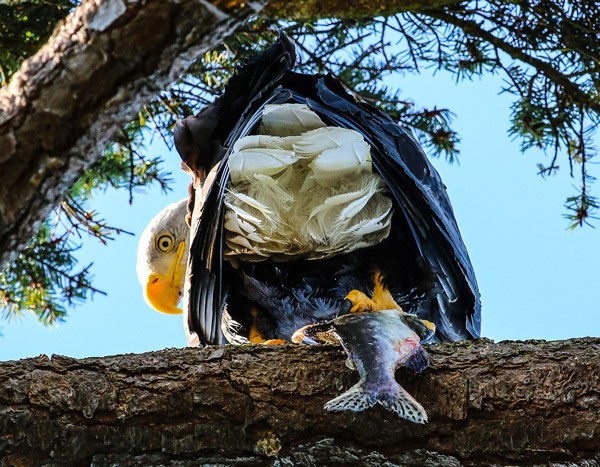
pixel 395 399
pixel 356 398
pixel 402 403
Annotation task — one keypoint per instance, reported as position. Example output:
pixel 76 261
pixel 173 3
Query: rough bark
pixel 512 403
pixel 102 64
pixel 356 9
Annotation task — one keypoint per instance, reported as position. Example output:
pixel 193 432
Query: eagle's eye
pixel 165 243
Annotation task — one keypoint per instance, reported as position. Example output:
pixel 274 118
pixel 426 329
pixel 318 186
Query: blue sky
pixel 537 280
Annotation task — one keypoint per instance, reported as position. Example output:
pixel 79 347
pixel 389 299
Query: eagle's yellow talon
pixel 360 302
pixel 429 325
pixel 274 342
pixel 382 298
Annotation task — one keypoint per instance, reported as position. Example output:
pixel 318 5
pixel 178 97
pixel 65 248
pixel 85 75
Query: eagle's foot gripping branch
pixel 358 302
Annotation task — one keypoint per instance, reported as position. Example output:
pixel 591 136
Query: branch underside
pixel 511 403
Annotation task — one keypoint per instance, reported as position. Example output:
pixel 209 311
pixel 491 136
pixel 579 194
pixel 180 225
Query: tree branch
pixel 68 101
pixel 512 403
pixel 357 9
pixel 476 30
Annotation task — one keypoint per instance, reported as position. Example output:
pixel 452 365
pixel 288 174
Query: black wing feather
pixel 201 142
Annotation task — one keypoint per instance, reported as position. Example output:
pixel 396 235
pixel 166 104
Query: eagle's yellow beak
pixel 162 292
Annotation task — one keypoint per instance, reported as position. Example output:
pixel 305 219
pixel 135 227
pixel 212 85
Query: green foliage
pixel 24 28
pixel 45 278
pixel 549 54
pixel 124 165
pixel 547 51
pixel 42 279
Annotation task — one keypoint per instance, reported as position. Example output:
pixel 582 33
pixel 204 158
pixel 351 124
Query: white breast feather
pixel 251 161
pixel 265 141
pixel 335 164
pixel 314 142
pixel 288 120
pixel 303 190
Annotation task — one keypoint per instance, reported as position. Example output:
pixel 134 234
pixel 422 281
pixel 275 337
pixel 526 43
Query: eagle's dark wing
pixel 423 216
pixel 423 201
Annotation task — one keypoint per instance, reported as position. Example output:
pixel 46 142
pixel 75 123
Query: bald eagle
pixel 306 204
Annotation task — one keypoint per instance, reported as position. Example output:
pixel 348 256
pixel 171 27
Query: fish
pixel 377 344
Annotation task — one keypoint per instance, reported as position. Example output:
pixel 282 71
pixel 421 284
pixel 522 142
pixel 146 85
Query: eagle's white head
pixel 162 257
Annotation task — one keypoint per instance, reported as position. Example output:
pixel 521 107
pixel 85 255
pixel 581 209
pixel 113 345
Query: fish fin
pixel 418 360
pixel 403 404
pixel 361 397
pixel 356 399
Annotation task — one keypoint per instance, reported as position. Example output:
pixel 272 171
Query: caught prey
pixel 377 343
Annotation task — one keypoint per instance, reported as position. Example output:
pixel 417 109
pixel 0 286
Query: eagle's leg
pixel 258 327
pixel 254 334
pixel 382 298
pixel 382 295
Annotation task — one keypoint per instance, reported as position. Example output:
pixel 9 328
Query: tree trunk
pixel 512 403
